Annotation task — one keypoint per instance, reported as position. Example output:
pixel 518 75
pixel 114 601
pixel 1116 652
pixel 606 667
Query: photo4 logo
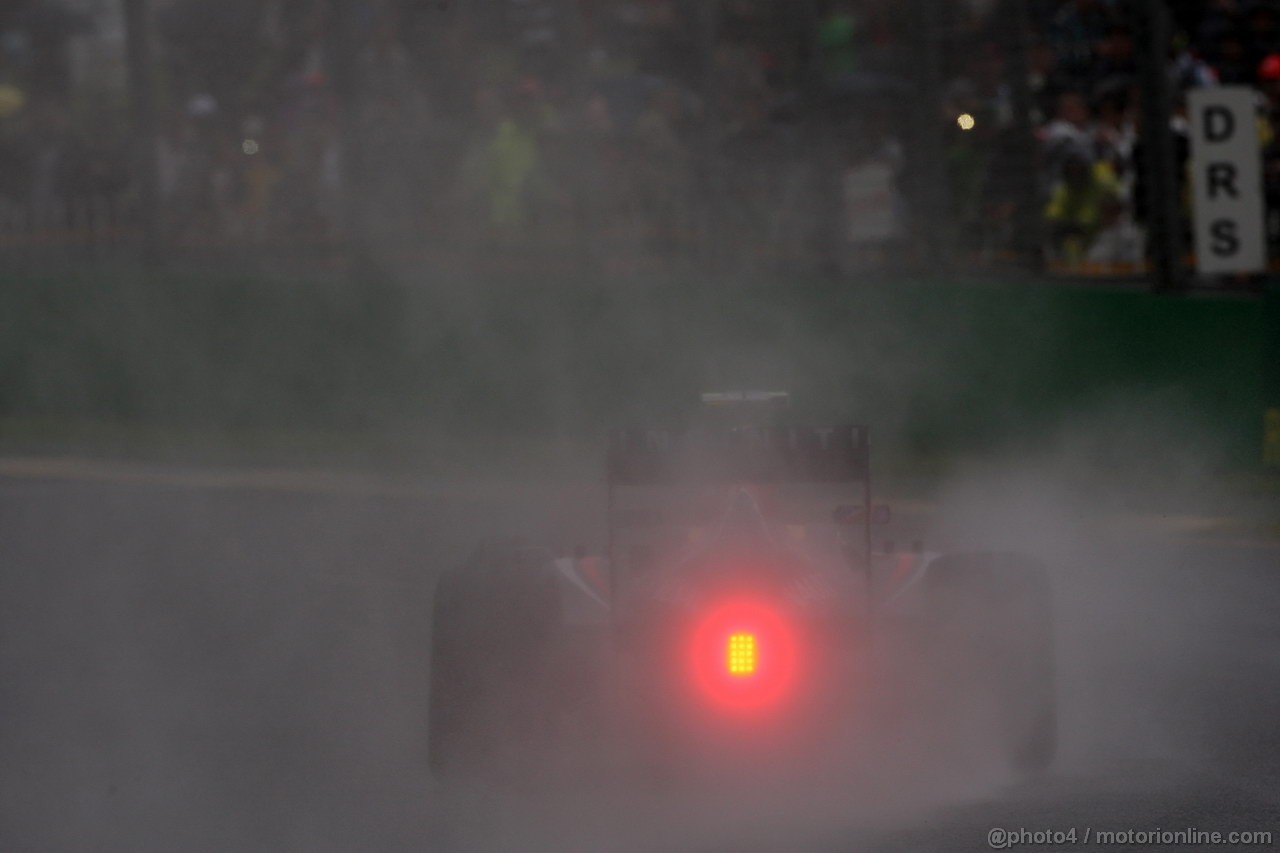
pixel 1001 838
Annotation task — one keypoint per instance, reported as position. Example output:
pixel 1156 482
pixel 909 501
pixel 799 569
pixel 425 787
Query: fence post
pixel 342 72
pixel 708 182
pixel 1159 161
pixel 137 20
pixel 930 203
pixel 1271 374
pixel 822 178
pixel 1028 217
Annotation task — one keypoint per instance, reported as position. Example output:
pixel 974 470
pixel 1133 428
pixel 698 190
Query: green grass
pixel 941 369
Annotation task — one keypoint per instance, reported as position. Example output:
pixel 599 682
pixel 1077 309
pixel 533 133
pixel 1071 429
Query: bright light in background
pixel 740 655
pixel 966 121
pixel 249 146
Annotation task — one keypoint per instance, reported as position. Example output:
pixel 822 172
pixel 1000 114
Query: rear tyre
pixel 494 621
pixel 992 628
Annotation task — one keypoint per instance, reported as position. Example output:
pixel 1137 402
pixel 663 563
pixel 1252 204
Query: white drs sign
pixel 1226 180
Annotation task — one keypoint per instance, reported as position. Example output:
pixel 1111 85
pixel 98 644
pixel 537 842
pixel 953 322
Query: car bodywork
pixel 738 617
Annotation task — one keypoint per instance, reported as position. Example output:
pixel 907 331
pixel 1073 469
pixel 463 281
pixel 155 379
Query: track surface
pixel 191 669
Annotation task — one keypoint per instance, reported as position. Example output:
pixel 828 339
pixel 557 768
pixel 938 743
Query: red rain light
pixel 740 655
pixel 743 655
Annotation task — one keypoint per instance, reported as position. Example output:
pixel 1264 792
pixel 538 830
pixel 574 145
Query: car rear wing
pixel 837 455
pixel 782 454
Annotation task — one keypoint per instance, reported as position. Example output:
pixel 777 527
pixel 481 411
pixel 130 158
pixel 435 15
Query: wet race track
pixel 216 667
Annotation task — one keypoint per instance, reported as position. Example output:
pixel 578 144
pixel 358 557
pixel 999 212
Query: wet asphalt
pixel 192 668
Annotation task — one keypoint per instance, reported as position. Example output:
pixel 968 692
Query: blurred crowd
pixel 614 128
pixel 1083 64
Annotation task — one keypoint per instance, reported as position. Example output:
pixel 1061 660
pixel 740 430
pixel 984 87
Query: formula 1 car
pixel 739 618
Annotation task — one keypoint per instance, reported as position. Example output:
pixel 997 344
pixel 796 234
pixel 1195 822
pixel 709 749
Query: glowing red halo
pixel 776 655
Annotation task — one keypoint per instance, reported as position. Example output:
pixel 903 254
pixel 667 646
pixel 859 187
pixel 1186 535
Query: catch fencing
pixel 736 137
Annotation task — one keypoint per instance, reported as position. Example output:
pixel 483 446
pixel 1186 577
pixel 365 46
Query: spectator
pixel 1191 71
pixel 47 163
pixel 1115 131
pixel 1231 65
pixel 1045 82
pixel 509 169
pixel 662 165
pixel 1078 205
pixel 1271 181
pixel 751 146
pixel 1219 19
pixel 601 201
pixel 837 38
pixel 1119 241
pixel 875 210
pixel 1262 23
pixel 1076 31
pixel 1115 53
pixel 1269 80
pixel 255 191
pixel 1070 132
pixel 983 91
